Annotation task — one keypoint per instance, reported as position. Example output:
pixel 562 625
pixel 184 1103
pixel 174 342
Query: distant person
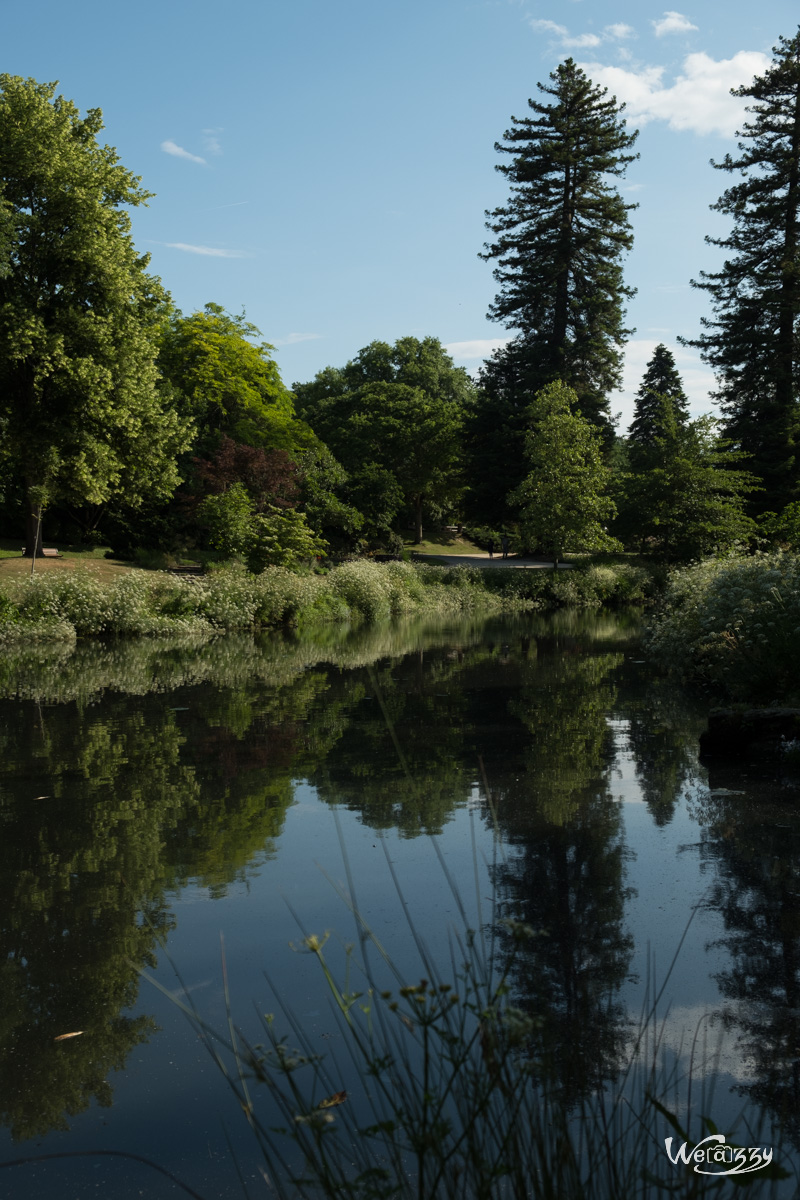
pixel 504 543
pixel 490 547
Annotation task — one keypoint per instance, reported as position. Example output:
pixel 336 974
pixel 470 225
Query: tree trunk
pixel 418 519
pixel 33 529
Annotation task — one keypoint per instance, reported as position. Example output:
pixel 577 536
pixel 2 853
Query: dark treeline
pixel 126 422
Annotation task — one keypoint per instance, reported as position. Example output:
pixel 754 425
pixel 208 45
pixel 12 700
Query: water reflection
pixel 132 769
pixel 751 836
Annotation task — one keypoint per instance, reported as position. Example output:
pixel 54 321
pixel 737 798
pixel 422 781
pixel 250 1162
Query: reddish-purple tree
pixel 270 476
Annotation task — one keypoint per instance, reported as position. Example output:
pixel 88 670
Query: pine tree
pixel 660 380
pixel 753 340
pixel 684 494
pixel 560 240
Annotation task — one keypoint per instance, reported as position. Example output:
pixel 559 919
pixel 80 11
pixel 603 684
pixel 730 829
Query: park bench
pixel 48 552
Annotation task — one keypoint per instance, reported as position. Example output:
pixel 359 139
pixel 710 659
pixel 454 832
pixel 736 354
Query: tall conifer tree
pixel 560 240
pixel 753 340
pixel 660 381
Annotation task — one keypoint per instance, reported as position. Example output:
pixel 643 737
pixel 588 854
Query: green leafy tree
pixel 563 503
pixel 560 240
pixel 230 382
pixel 783 528
pixel 228 516
pixel 82 413
pixel 393 417
pixel 753 339
pixel 661 378
pixel 282 538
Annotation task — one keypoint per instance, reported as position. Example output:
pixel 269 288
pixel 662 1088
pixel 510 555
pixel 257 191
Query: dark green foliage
pixel 683 496
pixel 661 378
pixel 393 418
pixel 496 431
pixel 752 341
pixel 560 239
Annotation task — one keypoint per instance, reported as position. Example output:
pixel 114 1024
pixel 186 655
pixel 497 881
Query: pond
pixel 177 817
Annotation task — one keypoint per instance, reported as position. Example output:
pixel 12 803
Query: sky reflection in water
pixel 177 791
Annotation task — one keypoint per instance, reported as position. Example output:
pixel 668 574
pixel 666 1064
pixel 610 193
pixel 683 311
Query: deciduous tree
pixel 564 502
pixel 393 417
pixel 83 416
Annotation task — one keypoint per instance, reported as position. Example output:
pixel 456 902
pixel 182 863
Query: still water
pixel 165 806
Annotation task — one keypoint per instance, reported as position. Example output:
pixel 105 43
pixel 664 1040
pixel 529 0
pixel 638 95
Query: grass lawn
pixel 14 567
pixel 442 543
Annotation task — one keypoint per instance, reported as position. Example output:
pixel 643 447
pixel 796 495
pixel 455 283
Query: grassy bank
pixel 64 604
pixel 733 626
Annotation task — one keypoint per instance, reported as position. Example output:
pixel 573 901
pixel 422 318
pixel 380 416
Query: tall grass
pixel 438 1094
pixel 64 605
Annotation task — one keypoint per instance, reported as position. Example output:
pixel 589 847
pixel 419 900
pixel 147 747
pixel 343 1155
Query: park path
pixel 483 561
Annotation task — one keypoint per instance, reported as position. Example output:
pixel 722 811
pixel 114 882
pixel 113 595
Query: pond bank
pixel 61 606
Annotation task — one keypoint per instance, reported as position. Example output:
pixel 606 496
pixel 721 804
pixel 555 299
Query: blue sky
pixel 326 164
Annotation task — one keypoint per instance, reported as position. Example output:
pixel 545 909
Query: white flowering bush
pixel 75 599
pixel 734 624
pixel 365 588
pixel 76 603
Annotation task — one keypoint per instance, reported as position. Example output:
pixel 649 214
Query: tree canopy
pixel 81 409
pixel 564 500
pixel 230 382
pixel 753 339
pixel 393 417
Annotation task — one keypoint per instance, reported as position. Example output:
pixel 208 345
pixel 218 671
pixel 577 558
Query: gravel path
pixel 483 561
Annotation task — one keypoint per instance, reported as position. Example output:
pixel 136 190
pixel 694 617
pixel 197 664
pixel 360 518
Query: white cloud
pixel 550 27
pixel 582 41
pixel 672 22
pixel 480 348
pixel 211 142
pixel 210 251
pixel 698 100
pixel 179 152
pixel 292 339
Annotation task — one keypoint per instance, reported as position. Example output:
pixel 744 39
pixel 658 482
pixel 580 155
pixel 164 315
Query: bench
pixel 47 552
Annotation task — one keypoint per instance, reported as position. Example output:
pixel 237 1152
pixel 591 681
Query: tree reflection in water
pixel 131 769
pixel 751 835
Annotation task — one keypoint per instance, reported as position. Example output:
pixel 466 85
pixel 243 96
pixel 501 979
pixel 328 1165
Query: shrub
pixel 734 625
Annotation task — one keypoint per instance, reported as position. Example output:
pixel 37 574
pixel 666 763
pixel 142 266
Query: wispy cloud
pixel 178 151
pixel 211 142
pixel 292 339
pixel 478 349
pixel 210 251
pixel 673 22
pixel 582 41
pixel 699 100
